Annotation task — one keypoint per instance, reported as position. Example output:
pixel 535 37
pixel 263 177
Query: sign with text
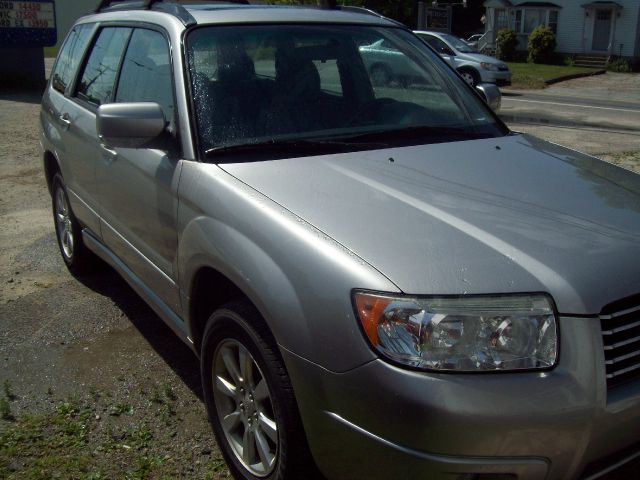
pixel 439 19
pixel 27 23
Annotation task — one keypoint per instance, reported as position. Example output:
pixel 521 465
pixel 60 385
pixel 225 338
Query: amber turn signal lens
pixel 370 311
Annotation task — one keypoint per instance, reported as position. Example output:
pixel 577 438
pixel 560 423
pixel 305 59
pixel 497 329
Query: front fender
pixel 299 278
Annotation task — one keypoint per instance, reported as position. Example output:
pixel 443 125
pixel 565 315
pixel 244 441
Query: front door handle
pixel 111 153
pixel 65 121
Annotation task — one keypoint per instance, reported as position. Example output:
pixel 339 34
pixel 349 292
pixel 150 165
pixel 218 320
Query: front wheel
pixel 470 76
pixel 249 398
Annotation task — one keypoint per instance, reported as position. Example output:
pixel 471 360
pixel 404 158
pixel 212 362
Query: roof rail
pixel 178 10
pixel 147 4
pixel 124 5
pixel 174 8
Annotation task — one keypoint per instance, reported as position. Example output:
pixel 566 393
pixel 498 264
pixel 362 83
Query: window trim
pixel 98 26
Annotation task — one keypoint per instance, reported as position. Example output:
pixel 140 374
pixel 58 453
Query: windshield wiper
pixel 292 145
pixel 431 134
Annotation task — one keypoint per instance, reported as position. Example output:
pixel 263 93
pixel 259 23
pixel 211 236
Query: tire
pixel 470 76
pixel 249 398
pixel 380 75
pixel 76 256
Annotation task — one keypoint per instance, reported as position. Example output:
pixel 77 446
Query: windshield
pixel 340 88
pixel 458 44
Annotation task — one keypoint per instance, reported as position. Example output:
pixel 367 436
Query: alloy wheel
pixel 64 223
pixel 244 408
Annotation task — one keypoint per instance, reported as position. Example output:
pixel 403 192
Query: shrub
pixel 569 61
pixel 542 43
pixel 506 43
pixel 619 65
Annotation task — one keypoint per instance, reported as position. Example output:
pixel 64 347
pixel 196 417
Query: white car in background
pixel 472 65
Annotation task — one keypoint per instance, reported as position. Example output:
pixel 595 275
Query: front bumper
pixel 379 421
pixel 500 78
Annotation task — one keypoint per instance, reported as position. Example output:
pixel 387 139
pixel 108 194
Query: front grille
pixel 621 338
pixel 503 68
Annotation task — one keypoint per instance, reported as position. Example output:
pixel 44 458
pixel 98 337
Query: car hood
pixel 504 215
pixel 478 57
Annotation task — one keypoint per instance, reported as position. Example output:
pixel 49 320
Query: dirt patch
pixel 628 160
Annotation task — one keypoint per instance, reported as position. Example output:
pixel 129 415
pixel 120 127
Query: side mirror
pixel 448 51
pixel 129 125
pixel 491 94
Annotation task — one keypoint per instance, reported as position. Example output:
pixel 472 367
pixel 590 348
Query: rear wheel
pixel 75 254
pixel 250 400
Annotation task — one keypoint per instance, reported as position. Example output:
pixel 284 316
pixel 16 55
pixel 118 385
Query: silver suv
pixel 380 280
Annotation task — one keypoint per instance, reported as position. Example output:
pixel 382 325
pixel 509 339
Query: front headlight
pixel 489 66
pixel 462 334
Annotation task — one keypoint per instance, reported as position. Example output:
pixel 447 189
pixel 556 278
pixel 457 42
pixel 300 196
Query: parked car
pixel 379 282
pixel 386 63
pixel 472 41
pixel 473 66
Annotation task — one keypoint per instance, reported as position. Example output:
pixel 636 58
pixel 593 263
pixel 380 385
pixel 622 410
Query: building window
pixel 527 19
pixel 501 19
pixel 518 21
pixel 552 22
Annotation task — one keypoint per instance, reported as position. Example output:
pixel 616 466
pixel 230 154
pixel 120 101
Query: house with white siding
pixel 583 27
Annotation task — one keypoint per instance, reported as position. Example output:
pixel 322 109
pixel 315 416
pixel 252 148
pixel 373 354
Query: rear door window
pixel 70 57
pixel 99 75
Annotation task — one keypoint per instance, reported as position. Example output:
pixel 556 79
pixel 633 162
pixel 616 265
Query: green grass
pixel 52 444
pixel 100 440
pixel 533 76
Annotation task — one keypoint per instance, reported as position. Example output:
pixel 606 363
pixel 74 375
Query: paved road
pixel 610 101
pixel 570 111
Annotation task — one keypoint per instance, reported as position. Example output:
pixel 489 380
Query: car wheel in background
pixel 75 254
pixel 249 398
pixel 470 76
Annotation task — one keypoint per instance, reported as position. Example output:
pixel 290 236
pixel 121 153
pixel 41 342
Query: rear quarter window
pixel 70 57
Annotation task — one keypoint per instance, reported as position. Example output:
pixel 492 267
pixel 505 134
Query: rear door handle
pixel 65 121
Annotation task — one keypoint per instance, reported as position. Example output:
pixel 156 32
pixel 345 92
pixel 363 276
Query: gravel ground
pixel 119 394
pixel 94 386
